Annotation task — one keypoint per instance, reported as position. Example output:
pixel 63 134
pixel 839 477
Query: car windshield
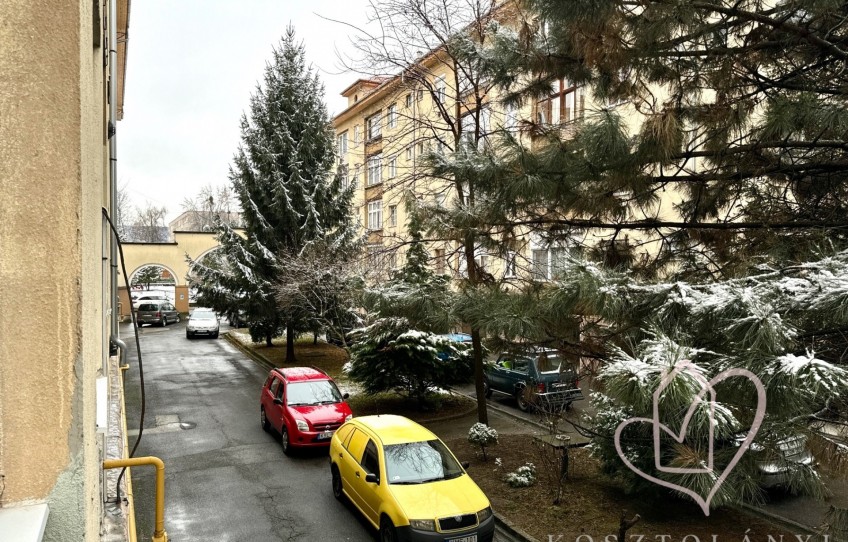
pixel 420 462
pixel 148 307
pixel 313 392
pixel 203 315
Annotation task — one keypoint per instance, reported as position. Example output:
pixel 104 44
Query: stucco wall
pixel 52 173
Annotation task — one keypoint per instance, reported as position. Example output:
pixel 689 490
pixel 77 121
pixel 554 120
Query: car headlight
pixel 302 425
pixel 348 417
pixel 484 514
pixel 423 524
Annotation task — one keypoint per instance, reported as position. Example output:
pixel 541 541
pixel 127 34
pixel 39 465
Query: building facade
pixel 437 104
pixel 60 102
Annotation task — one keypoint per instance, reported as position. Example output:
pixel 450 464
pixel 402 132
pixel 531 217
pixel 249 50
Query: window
pixel 392 168
pixel 471 122
pixel 565 104
pixel 355 179
pixel 375 215
pixel 370 463
pixel 440 261
pixel 391 260
pixel 356 135
pixel 510 117
pixel 375 169
pixel 420 149
pixel 343 173
pixel 549 263
pixel 393 215
pixel 341 147
pixel 441 89
pixel 419 96
pixel 409 100
pixel 392 116
pixel 540 264
pixel 510 265
pixel 375 126
pixel 409 152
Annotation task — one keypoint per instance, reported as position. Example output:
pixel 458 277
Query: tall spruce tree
pixel 281 177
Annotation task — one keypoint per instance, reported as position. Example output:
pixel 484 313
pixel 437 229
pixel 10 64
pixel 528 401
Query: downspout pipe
pixel 113 172
pixel 159 534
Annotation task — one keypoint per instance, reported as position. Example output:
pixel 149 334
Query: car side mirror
pixel 345 396
pixel 278 401
pixel 465 464
pixel 372 478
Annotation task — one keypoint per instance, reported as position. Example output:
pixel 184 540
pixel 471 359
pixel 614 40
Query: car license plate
pixel 325 435
pixel 472 538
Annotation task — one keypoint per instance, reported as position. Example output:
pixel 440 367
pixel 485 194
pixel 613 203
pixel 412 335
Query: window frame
pixel 374 170
pixel 392 116
pixel 374 126
pixel 391 167
pixel 375 215
pixel 393 214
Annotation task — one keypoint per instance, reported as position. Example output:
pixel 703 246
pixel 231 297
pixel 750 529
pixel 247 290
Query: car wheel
pixel 338 493
pixel 179 318
pixel 284 440
pixel 188 335
pixel 487 390
pixel 263 419
pixel 523 403
pixel 387 530
pixel 215 336
pixel 164 321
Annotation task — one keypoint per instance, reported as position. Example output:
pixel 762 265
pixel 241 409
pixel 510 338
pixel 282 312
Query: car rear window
pixel 203 315
pixel 148 307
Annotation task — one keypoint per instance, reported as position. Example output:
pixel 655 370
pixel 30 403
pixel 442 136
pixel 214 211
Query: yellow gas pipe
pixel 159 534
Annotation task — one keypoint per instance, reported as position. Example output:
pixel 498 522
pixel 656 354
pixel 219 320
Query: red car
pixel 303 405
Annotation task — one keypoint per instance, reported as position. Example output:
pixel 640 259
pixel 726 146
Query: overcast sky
pixel 191 67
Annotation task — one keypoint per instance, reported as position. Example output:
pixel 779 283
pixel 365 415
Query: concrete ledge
pixel 23 523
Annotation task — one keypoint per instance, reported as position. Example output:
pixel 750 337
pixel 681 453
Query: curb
pixel 262 360
pixel 258 358
pixel 505 412
pixel 512 531
pixel 777 518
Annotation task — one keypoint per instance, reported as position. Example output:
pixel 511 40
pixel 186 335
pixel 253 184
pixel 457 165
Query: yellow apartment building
pixel 390 123
pixel 63 66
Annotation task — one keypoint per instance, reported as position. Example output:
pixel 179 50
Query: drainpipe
pixel 159 534
pixel 113 170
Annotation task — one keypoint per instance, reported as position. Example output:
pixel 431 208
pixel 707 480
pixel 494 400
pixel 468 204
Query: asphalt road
pixel 226 479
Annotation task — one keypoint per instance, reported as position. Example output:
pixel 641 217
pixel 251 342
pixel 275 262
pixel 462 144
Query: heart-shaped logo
pixel 707 388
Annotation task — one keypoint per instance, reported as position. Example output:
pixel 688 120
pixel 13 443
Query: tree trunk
pixel 268 340
pixel 289 344
pixel 476 344
pixel 624 525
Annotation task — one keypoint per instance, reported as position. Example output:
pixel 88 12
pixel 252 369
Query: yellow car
pixel 407 483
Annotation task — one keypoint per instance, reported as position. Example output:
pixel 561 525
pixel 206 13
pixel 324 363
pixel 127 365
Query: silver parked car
pixel 202 322
pixel 156 312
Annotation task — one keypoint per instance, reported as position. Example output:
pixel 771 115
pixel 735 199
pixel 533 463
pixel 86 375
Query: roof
pixel 297 374
pixel 393 429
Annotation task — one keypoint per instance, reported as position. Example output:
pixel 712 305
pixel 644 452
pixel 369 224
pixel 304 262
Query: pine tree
pixel 742 120
pixel 281 177
pixel 415 294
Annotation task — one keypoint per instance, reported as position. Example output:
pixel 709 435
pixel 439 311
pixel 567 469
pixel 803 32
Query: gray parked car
pixel 156 312
pixel 202 322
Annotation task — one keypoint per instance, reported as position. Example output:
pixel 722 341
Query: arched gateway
pixel 170 256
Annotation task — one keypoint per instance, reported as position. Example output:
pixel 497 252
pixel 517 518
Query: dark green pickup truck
pixel 538 378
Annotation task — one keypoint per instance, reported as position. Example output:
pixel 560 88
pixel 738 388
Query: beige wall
pixel 53 326
pixel 171 256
